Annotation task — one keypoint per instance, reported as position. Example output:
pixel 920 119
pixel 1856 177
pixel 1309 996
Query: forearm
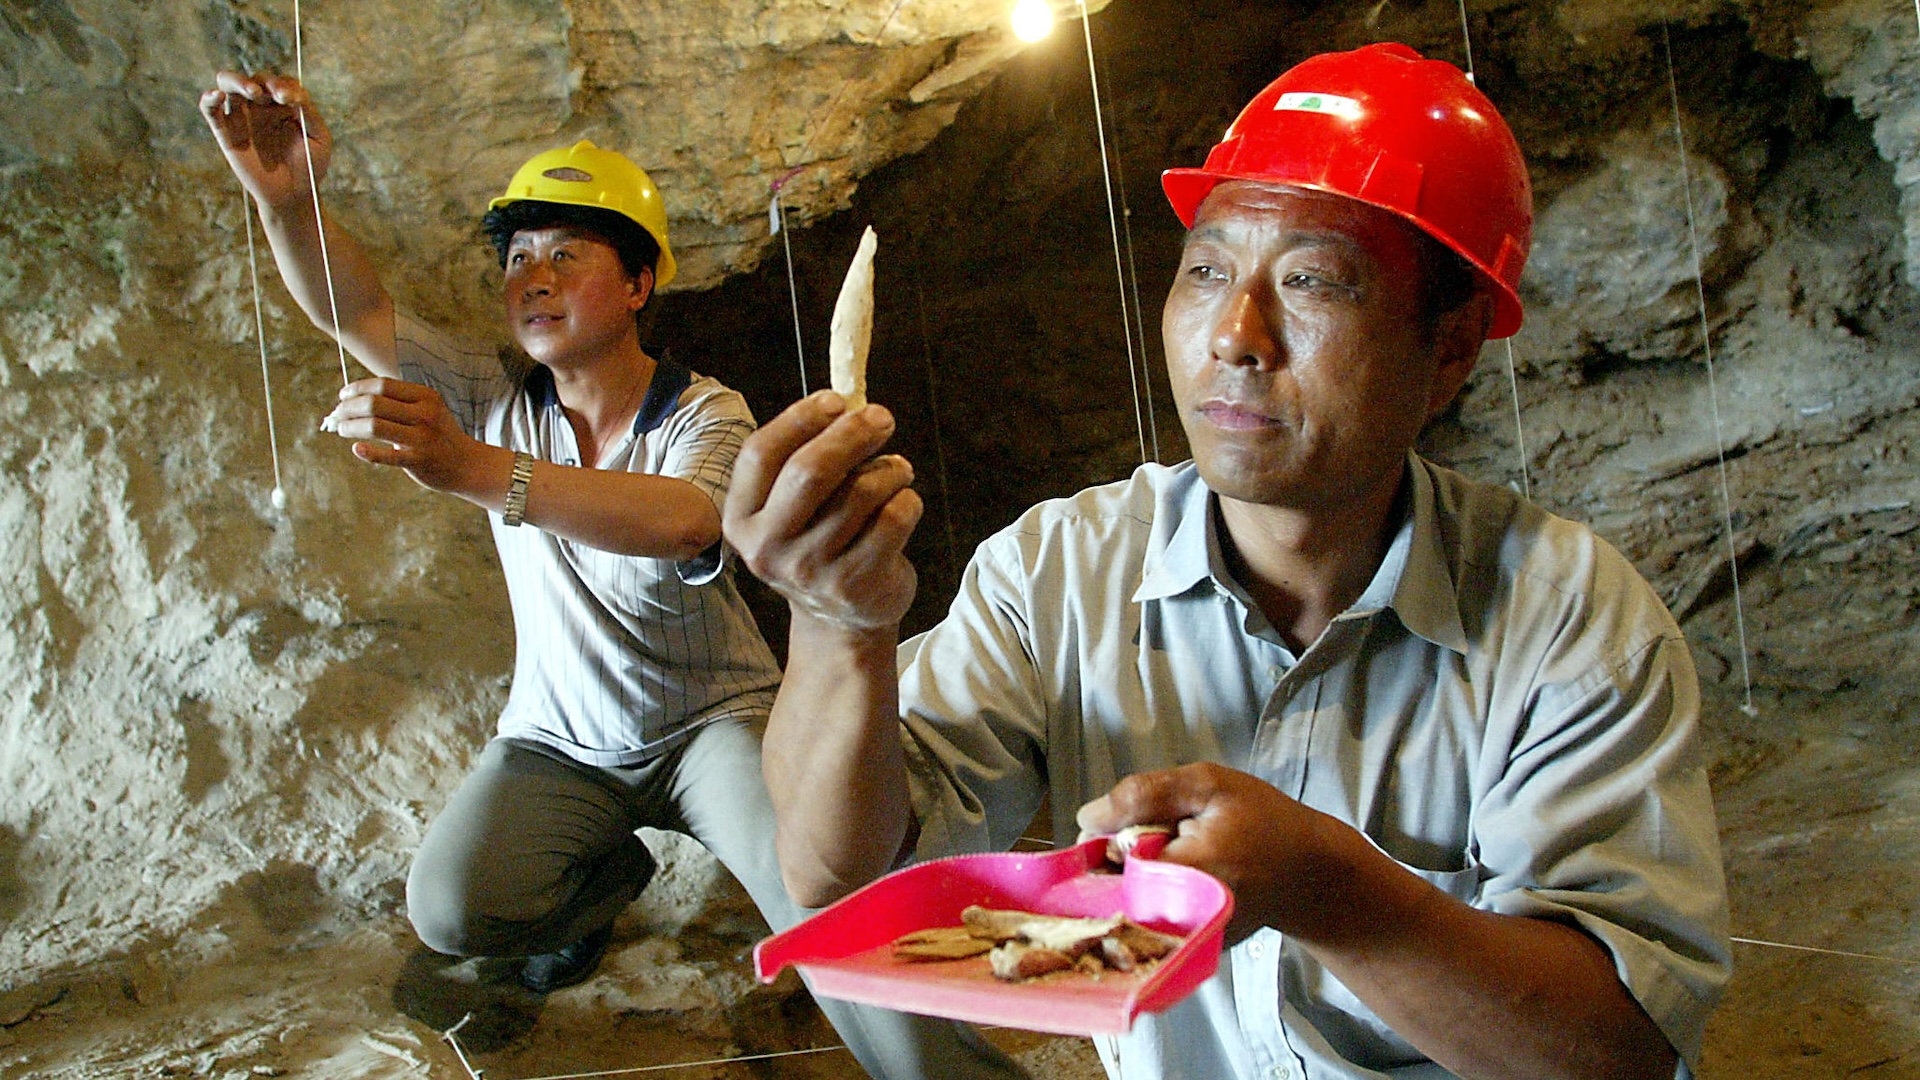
pixel 342 282
pixel 1483 994
pixel 833 760
pixel 625 513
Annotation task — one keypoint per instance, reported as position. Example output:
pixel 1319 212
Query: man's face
pixel 1300 360
pixel 568 298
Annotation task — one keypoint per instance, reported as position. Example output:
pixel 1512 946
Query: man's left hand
pixel 1266 847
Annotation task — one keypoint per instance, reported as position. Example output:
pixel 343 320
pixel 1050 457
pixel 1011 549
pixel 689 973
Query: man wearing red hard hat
pixel 1440 743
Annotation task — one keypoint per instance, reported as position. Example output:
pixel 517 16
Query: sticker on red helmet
pixel 1300 101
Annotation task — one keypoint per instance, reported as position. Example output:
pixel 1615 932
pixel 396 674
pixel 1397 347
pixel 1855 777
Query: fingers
pixel 238 101
pixel 767 451
pixel 1164 797
pixel 810 475
pixel 393 411
pixel 261 88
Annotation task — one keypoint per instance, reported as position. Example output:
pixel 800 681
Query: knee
pixel 441 915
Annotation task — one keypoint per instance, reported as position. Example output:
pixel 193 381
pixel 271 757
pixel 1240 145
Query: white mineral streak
pixel 852 328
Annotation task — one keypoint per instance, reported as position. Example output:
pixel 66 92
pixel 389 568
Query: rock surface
pixel 226 726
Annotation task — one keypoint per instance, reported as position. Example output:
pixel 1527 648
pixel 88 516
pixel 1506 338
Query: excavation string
pixel 451 1038
pixel 1467 35
pixel 260 335
pixel 313 184
pixel 939 444
pixel 1713 393
pixel 1113 223
pixel 1513 369
pixel 1133 281
pixel 777 212
pixel 448 1036
pixel 1519 428
pixel 1827 952
pixel 778 223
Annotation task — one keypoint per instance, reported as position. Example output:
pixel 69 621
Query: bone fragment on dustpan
pixel 1121 844
pixel 1023 945
pixel 852 329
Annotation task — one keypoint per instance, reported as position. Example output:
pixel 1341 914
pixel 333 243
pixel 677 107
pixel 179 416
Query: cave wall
pixel 204 693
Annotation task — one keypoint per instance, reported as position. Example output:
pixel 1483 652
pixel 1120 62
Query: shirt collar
pixel 670 380
pixel 1413 579
pixel 1179 550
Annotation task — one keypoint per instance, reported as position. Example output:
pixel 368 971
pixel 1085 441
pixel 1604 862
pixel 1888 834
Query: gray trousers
pixel 535 851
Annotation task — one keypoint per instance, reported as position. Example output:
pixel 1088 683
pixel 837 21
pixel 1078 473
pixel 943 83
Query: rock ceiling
pixel 434 108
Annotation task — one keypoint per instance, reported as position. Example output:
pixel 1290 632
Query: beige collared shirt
pixel 1508 711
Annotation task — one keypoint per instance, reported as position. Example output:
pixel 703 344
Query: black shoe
pixel 551 971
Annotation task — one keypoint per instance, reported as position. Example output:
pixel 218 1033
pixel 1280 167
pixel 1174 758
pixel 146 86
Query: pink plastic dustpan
pixel 845 951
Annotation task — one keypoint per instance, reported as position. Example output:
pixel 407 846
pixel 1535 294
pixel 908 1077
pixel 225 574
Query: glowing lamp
pixel 1032 19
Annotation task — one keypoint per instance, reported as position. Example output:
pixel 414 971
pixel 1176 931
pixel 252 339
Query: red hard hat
pixel 1384 126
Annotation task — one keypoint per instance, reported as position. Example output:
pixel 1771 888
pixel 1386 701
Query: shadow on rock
pixel 440 990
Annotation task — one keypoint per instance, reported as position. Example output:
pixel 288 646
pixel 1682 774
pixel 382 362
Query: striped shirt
pixel 617 658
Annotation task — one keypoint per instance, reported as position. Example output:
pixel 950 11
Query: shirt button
pixel 1255 950
pixel 1280 1072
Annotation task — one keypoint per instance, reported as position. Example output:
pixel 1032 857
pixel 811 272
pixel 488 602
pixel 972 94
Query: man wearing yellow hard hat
pixel 641 684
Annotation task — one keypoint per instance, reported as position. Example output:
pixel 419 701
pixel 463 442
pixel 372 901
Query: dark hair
pixel 637 248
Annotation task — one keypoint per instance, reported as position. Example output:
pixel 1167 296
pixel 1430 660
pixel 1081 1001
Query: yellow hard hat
pixel 585 175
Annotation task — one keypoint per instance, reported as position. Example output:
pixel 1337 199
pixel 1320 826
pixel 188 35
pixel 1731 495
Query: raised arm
pixel 823 521
pixel 407 426
pixel 257 121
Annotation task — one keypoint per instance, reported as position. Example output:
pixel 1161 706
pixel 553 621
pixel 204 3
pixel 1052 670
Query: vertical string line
pixel 1713 392
pixel 313 185
pixel 1133 280
pixel 806 146
pixel 1467 35
pixel 260 335
pixel 1513 369
pixel 1519 429
pixel 793 291
pixel 1113 223
pixel 939 443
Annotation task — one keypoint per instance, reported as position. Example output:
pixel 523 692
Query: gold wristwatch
pixel 516 509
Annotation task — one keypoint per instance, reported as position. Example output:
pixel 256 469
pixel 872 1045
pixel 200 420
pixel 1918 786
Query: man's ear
pixel 1457 337
pixel 642 290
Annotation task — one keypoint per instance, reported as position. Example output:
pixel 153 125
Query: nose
pixel 1245 333
pixel 536 278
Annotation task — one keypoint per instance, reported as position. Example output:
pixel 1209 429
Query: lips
pixel 1235 416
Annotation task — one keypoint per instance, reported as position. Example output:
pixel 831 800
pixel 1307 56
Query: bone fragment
pixel 852 328
pixel 1017 960
pixel 1121 844
pixel 940 943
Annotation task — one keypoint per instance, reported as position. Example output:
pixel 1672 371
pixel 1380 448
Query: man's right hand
pixel 256 120
pixel 817 516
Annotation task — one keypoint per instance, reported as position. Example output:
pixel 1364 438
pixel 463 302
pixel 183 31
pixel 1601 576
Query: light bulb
pixel 1032 19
